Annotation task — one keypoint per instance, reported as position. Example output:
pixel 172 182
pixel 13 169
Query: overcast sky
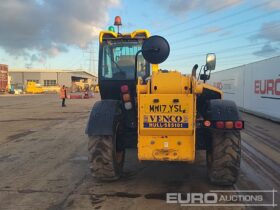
pixel 61 33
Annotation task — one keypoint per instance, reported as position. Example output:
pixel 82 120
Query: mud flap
pixel 223 110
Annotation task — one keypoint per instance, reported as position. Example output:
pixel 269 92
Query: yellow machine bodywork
pixel 51 89
pixel 166 111
pixel 135 34
pixel 33 87
pixel 96 89
pixel 166 118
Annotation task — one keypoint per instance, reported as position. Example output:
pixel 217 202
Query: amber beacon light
pixel 118 22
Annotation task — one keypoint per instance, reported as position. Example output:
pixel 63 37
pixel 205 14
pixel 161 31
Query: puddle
pixel 117 194
pixel 79 158
pixel 19 135
pixel 156 196
pixel 8 158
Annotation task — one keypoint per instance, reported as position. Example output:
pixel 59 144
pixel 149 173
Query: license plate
pixel 164 108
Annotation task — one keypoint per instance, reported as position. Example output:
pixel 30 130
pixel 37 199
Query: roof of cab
pixel 132 35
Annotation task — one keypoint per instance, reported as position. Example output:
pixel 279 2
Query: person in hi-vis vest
pixel 63 95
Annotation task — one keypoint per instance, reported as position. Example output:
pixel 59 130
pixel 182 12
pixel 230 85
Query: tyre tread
pixel 101 158
pixel 226 155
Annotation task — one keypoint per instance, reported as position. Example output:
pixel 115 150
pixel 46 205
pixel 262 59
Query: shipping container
pixel 3 78
pixel 255 87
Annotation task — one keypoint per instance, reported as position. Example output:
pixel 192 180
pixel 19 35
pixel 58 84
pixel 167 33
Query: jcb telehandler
pixel 166 115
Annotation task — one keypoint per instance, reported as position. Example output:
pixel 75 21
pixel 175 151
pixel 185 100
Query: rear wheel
pixel 223 157
pixel 106 160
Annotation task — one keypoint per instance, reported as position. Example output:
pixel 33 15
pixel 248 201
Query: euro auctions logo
pixel 192 198
pixel 264 198
pixel 267 88
pixel 218 85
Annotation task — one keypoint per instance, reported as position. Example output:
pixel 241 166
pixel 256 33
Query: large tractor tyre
pixel 223 157
pixel 106 160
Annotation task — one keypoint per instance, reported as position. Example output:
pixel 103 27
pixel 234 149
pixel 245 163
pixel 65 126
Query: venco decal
pixel 165 121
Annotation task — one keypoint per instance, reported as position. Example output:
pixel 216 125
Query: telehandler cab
pixel 166 115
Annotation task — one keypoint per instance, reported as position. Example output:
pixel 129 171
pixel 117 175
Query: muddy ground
pixel 43 162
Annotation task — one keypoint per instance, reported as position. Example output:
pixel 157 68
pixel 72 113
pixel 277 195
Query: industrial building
pixel 3 77
pixel 20 77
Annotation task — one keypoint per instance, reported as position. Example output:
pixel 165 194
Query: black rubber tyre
pixel 106 161
pixel 223 157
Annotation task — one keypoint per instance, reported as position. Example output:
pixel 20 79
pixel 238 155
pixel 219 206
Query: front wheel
pixel 106 160
pixel 223 157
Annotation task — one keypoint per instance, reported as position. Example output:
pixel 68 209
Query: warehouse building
pixel 20 77
pixel 3 77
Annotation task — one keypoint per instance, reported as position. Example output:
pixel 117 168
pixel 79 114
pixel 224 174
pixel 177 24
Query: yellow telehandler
pixel 166 115
pixel 33 87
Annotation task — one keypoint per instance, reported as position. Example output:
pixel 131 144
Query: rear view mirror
pixel 210 61
pixel 155 49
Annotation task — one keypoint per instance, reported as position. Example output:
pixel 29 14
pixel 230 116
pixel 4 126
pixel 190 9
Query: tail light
pixel 124 89
pixel 126 97
pixel 207 123
pixel 128 105
pixel 238 124
pixel 224 124
pixel 220 124
pixel 229 124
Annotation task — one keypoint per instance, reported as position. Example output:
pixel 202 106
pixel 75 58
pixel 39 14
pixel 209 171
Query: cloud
pixel 272 5
pixel 37 29
pixel 226 33
pixel 267 50
pixel 209 30
pixel 275 4
pixel 180 7
pixel 269 31
pixel 212 29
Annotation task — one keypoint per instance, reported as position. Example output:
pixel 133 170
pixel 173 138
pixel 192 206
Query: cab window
pixel 118 61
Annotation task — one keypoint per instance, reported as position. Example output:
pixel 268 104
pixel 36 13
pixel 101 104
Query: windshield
pixel 118 61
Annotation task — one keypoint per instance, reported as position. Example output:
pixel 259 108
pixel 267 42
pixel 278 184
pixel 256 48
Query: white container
pixel 254 87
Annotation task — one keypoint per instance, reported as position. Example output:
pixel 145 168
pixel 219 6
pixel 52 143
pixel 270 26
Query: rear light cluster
pixel 224 124
pixel 126 97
